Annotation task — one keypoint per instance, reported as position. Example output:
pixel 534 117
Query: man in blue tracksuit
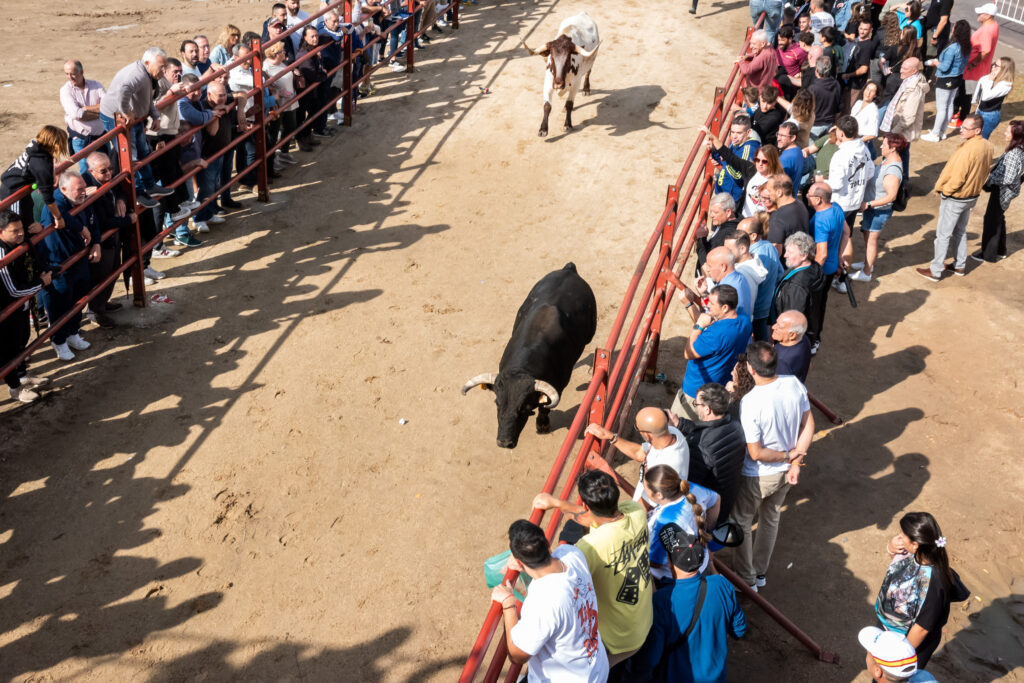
pixel 730 179
pixel 692 617
pixel 80 231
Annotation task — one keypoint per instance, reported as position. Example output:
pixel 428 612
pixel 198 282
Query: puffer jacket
pixel 799 290
pixel 717 449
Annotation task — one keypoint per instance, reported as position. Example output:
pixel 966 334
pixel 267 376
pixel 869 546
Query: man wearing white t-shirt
pixel 557 630
pixel 295 16
pixel 662 445
pixel 778 426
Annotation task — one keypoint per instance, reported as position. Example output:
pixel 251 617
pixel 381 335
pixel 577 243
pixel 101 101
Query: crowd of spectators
pixel 192 107
pixel 834 100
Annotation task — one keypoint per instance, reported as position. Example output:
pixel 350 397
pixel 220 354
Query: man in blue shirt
pixel 766 252
pixel 790 155
pixel 720 269
pixel 718 337
pixel 692 617
pixel 831 234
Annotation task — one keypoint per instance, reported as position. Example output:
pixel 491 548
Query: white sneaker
pixel 201 226
pixel 33 382
pixel 859 265
pixel 860 276
pixel 191 205
pixel 163 252
pixel 24 394
pixel 149 281
pixel 152 272
pixel 396 67
pixel 339 118
pixel 287 158
pixel 63 352
pixel 76 342
pixel 180 214
pixel 930 137
pixel 839 286
pixel 215 219
pixel 442 23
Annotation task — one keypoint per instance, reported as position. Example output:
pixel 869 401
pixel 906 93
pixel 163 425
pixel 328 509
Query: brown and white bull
pixel 570 56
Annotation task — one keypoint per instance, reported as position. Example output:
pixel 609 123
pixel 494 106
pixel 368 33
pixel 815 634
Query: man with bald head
pixel 720 269
pixel 80 98
pixel 792 346
pixel 905 113
pixel 768 257
pixel 661 444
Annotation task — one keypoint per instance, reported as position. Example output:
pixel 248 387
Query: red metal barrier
pixel 120 137
pixel 611 392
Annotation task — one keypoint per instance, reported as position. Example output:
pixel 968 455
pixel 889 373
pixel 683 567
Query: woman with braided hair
pixel 693 507
pixel 919 585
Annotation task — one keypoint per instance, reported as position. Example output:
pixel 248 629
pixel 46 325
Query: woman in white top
pixel 692 507
pixel 284 90
pixel 866 112
pixel 990 93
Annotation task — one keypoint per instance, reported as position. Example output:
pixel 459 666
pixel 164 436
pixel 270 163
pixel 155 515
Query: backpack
pixel 902 195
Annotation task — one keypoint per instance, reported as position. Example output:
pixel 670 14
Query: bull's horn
pixel 528 49
pixel 586 55
pixel 485 381
pixel 549 391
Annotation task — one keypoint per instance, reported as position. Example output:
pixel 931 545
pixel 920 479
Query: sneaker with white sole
pixel 188 240
pixel 859 265
pixel 153 273
pixel 159 191
pixel 287 158
pixel 63 352
pixel 149 282
pixel 201 226
pixel 146 201
pixel 76 342
pixel 191 204
pixel 396 67
pixel 814 348
pixel 760 581
pixel 215 220
pixel 24 394
pixel 30 381
pixel 839 286
pixel 160 252
pixel 180 214
pixel 860 276
pixel 930 137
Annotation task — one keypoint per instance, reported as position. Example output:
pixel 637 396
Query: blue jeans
pixel 140 148
pixel 78 144
pixel 951 227
pixel 208 180
pixel 989 121
pixel 773 15
pixel 60 297
pixel 875 219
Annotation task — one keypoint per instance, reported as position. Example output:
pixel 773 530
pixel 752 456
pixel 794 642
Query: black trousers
pixel 110 252
pixel 14 332
pixel 816 319
pixel 993 232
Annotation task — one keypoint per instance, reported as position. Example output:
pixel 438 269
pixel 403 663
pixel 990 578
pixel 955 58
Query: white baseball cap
pixel 890 650
pixel 987 8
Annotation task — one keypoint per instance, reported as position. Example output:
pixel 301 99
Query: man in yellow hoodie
pixel 959 186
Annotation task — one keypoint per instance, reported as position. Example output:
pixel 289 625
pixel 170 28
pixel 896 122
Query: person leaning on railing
pixel 55 249
pixel 80 98
pixel 167 166
pixel 111 212
pixel 311 72
pixel 284 90
pixel 15 283
pixel 34 169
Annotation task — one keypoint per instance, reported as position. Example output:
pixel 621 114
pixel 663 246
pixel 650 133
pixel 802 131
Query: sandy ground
pixel 221 489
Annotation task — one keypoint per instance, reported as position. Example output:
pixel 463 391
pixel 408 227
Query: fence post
pixel 124 157
pixel 410 38
pixel 346 69
pixel 455 14
pixel 659 305
pixel 260 115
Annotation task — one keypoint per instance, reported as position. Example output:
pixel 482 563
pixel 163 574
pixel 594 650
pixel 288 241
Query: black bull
pixel 552 327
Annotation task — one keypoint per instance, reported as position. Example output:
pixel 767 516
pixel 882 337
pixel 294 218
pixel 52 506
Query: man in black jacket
pixel 722 214
pixel 801 287
pixel 16 283
pixel 717 445
pixel 111 212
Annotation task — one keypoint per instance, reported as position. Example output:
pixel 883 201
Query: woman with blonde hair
pixel 224 50
pixel 991 91
pixel 35 166
pixel 754 174
pixel 801 112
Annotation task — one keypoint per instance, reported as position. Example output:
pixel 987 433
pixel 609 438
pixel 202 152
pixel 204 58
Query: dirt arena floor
pixel 222 488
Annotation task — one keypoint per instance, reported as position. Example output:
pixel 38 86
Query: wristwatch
pixel 698 327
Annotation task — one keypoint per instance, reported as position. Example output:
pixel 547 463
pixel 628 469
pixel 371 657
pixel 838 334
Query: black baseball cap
pixel 684 550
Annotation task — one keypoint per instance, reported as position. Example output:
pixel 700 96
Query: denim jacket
pixel 951 62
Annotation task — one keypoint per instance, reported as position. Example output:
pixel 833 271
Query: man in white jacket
pixel 851 168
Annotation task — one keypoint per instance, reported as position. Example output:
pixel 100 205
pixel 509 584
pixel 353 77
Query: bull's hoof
pixel 586 91
pixel 567 127
pixel 542 133
pixel 543 426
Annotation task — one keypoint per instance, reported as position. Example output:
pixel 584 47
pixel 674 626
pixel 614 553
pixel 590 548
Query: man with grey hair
pixel 131 95
pixel 760 64
pixel 802 285
pixel 792 345
pixel 81 230
pixel 722 215
pixel 720 269
pixel 80 98
pixel 828 96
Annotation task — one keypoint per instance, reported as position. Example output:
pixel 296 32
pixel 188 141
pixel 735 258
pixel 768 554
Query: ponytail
pixel 921 528
pixel 666 481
